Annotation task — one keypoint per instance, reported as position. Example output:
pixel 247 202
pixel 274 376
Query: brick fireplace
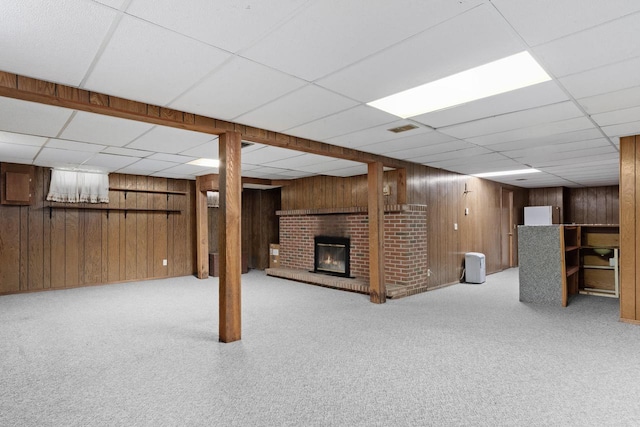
pixel 405 242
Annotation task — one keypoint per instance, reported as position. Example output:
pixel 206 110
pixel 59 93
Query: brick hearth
pixel 405 243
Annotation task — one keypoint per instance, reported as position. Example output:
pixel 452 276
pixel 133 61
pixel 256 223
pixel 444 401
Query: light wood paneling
pixel 628 231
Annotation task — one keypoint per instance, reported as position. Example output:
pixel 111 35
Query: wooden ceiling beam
pixel 48 93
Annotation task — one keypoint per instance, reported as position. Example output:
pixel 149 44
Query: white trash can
pixel 474 265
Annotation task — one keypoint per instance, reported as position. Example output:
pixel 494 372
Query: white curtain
pixel 76 187
pixel 213 199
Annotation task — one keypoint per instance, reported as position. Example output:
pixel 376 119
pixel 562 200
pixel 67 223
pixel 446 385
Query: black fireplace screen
pixel 332 255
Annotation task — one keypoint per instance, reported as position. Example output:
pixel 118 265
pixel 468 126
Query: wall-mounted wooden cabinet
pixel 17 184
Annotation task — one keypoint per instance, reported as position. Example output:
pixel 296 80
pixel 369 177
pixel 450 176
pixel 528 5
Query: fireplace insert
pixel 332 255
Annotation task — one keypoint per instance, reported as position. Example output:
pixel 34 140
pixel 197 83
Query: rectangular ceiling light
pixel 504 75
pixel 210 163
pixel 505 173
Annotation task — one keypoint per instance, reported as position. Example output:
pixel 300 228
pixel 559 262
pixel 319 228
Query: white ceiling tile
pixel 617 117
pixel 567 157
pixel 101 129
pixel 235 88
pixel 22 139
pixel 581 160
pixel 543 20
pixel 377 134
pixel 348 31
pixel 17 151
pixel 149 166
pixel 208 150
pixel 515 120
pixel 267 155
pixel 228 24
pixel 112 3
pixel 624 129
pixel 549 150
pixel 611 101
pixel 300 160
pixel 518 100
pixel 539 131
pixel 609 78
pixel 136 49
pixel 439 52
pixel 31 118
pixel 127 152
pixel 73 145
pixel 53 41
pixel 408 142
pixel 421 153
pixel 111 162
pixel 455 155
pixel 550 138
pixel 345 122
pixel 55 157
pixel 169 140
pixel 321 168
pixel 295 109
pixel 175 158
pixel 191 170
pixel 605 44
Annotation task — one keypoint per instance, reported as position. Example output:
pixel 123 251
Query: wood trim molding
pixel 55 94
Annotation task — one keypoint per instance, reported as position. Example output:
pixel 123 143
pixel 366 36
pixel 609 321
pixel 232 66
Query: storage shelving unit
pixel 570 251
pixel 599 260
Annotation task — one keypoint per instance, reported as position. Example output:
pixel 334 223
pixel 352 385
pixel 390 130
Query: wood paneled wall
pixel 444 194
pixel 75 247
pixel 260 225
pixel 551 196
pixel 593 205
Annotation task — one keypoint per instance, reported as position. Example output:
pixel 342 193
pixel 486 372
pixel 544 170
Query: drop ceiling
pixel 308 68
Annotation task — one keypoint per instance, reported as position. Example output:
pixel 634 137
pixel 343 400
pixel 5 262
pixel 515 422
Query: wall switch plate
pixel 455 226
pixel 466 211
pixel 164 262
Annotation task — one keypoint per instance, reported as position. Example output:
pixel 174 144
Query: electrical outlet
pixel 428 272
pixel 164 262
pixel 466 211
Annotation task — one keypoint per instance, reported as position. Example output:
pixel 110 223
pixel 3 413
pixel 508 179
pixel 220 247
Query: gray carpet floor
pixel 147 354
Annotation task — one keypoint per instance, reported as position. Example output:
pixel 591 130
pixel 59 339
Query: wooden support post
pixel 402 187
pixel 629 232
pixel 202 231
pixel 377 287
pixel 230 238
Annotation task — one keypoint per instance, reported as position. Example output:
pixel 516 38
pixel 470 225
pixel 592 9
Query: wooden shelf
pixel 572 270
pixel 52 206
pixel 135 190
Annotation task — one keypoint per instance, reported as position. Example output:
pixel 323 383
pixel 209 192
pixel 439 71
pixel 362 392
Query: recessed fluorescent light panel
pixel 505 173
pixel 504 75
pixel 210 163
